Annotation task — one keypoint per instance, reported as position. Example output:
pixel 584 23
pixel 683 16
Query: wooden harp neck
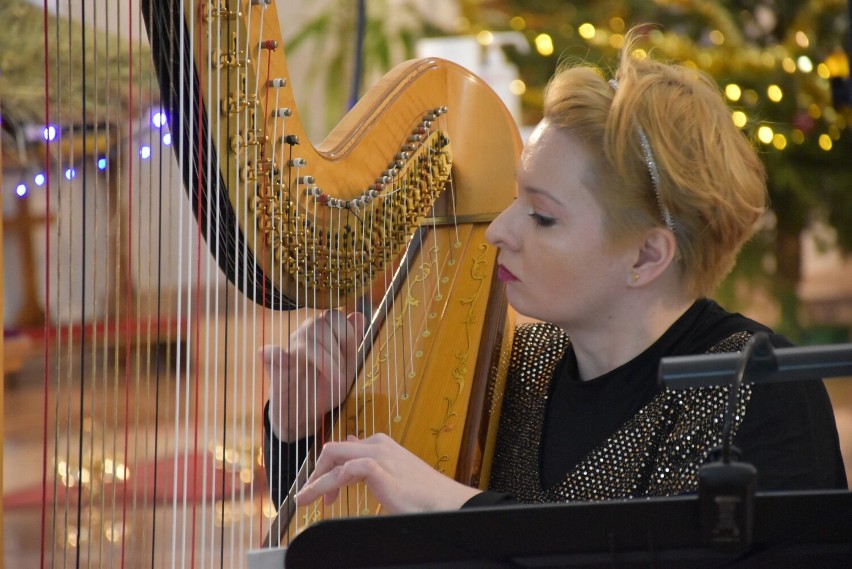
pixel 314 224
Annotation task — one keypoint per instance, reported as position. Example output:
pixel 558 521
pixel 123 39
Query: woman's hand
pixel 311 375
pixel 398 479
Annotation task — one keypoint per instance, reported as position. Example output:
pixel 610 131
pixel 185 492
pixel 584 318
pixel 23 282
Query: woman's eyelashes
pixel 540 220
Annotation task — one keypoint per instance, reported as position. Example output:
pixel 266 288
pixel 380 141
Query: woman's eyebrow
pixel 544 194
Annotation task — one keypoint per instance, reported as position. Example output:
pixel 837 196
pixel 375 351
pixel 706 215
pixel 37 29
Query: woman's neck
pixel 619 338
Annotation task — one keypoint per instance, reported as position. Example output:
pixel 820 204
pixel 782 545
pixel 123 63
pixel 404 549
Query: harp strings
pixel 154 385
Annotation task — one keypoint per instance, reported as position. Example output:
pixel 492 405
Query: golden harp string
pixel 262 227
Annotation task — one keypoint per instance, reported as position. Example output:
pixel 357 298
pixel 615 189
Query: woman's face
pixel 558 263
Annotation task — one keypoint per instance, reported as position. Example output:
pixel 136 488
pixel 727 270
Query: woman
pixel 634 197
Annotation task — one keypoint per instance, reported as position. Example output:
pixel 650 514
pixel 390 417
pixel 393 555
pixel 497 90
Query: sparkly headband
pixel 652 167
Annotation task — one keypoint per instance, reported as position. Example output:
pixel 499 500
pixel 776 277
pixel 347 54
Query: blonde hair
pixel 710 177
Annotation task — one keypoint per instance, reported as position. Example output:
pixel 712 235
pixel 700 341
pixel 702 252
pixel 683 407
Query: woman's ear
pixel 656 253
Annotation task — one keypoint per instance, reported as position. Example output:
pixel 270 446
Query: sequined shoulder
pixel 655 453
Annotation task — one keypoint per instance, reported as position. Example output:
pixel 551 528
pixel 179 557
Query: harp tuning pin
pixel 271 45
pixel 441 110
pixel 315 191
pixel 414 138
pixel 277 83
pixel 374 191
pixel 428 117
pixel 382 180
pixel 409 148
pixel 297 162
pixel 420 130
pixel 282 112
pixel 290 139
pixel 402 156
pixel 389 173
pixel 427 124
pixel 305 180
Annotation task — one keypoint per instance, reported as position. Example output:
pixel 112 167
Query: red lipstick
pixel 505 274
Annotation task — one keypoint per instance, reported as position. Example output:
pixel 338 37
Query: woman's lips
pixel 505 274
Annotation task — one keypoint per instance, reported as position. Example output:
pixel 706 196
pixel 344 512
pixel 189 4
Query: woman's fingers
pixel 332 346
pixel 341 464
pixel 352 471
pixel 398 479
pixel 312 373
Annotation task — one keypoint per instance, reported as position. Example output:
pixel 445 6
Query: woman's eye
pixel 541 220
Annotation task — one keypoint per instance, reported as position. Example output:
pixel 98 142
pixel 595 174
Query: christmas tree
pixel 784 70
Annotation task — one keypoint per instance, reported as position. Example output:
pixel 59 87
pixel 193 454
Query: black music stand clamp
pixel 726 486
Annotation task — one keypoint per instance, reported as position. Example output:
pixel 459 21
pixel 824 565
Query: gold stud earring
pixel 634 276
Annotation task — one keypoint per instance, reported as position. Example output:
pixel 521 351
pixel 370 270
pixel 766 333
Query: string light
pixel 774 93
pixel 750 97
pixel 485 37
pixel 733 92
pixel 50 133
pixel 544 44
pixel 717 37
pixel 40 179
pixel 805 64
pixel 158 119
pixel 788 65
pixel 616 24
pixel 586 31
pixel 21 189
pixel 517 23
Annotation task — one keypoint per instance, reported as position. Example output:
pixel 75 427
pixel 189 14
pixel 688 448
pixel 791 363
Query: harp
pixel 161 465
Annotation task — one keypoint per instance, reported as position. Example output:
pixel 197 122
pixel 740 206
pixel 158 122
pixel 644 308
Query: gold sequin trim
pixel 656 453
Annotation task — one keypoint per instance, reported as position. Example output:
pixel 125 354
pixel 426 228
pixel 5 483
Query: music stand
pixel 792 529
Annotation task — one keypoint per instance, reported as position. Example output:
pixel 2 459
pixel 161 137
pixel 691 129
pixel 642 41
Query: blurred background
pixel 782 65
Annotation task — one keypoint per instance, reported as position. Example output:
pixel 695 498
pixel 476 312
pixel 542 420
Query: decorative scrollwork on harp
pixel 404 186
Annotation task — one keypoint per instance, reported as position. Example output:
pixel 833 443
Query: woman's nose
pixel 499 233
